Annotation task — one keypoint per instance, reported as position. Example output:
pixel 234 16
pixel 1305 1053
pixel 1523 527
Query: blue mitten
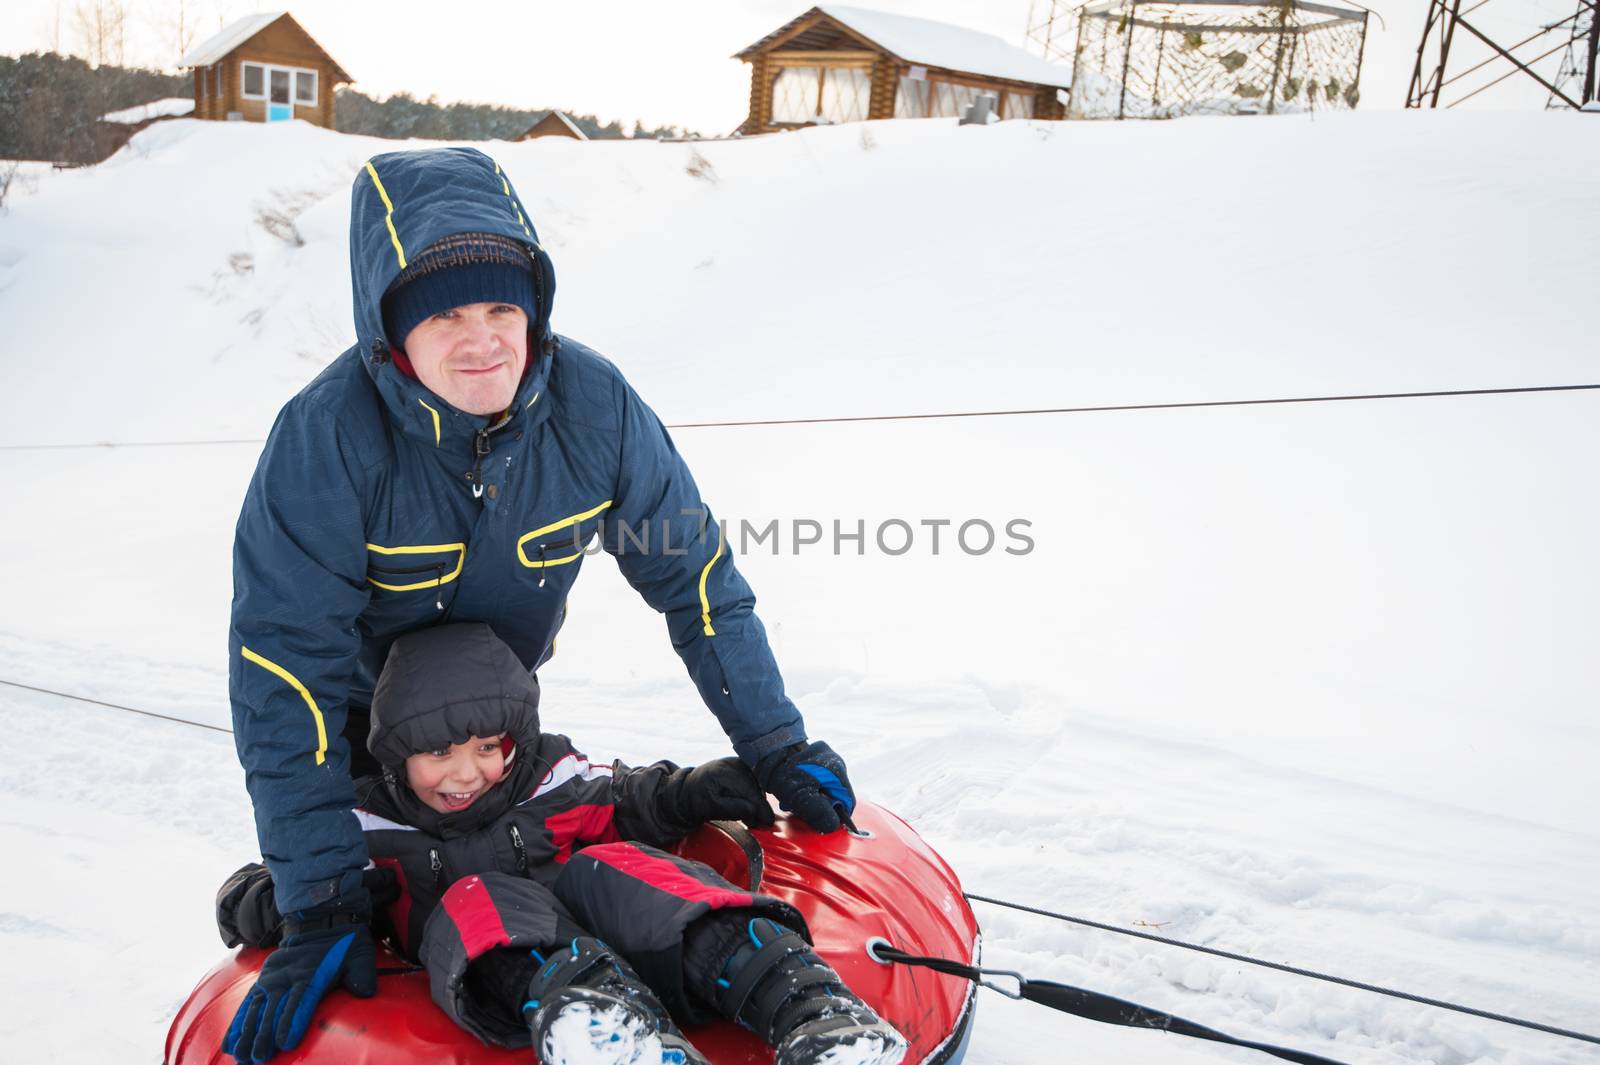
pixel 320 948
pixel 810 780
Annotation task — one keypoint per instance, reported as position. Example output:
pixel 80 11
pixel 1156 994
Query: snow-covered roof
pixel 552 123
pixel 228 38
pixel 939 44
pixel 169 107
pixel 561 116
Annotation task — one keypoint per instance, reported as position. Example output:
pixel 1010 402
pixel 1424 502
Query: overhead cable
pixel 1005 413
pixel 115 706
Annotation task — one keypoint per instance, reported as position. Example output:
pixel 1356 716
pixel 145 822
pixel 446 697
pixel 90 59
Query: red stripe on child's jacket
pixel 475 917
pixel 665 875
pixel 581 824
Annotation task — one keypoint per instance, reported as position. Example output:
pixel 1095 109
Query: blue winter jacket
pixel 377 509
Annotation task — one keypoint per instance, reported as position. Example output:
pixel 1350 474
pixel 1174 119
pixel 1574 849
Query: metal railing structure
pixel 1168 58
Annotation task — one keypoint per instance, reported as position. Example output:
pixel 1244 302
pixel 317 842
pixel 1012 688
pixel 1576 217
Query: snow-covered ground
pixel 166 107
pixel 1311 682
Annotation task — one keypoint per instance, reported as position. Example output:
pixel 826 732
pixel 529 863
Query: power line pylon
pixel 1430 77
pixel 1576 77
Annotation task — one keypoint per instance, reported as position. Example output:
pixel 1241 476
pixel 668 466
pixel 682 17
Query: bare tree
pixel 179 26
pixel 102 30
pixel 225 10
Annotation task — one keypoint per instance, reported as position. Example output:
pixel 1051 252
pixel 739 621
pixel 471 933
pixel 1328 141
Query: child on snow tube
pixel 531 888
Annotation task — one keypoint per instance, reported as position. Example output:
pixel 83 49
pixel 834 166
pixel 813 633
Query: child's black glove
pixel 725 790
pixel 810 779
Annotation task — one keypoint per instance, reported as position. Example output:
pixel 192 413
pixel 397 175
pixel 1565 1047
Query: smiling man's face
pixel 471 356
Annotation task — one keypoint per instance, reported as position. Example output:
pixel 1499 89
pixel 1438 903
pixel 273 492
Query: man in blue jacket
pixel 452 466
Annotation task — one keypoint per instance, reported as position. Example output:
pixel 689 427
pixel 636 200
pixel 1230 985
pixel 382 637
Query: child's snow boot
pixel 776 985
pixel 586 1006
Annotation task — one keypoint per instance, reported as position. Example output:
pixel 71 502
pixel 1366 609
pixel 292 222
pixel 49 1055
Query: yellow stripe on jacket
pixel 294 682
pixel 388 217
pixel 705 604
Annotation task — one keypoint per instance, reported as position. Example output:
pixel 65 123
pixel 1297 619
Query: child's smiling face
pixel 452 778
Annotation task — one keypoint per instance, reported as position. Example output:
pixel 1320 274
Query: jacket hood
pixel 441 685
pixel 400 204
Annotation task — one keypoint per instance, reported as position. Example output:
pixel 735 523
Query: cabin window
pixel 279 85
pixel 947 100
pixel 845 93
pixel 917 98
pixel 804 94
pixel 911 101
pixel 794 94
pixel 1018 105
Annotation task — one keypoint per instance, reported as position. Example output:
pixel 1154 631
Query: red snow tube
pixel 885 883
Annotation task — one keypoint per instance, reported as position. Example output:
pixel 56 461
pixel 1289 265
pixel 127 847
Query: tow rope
pixel 1313 974
pixel 1091 1005
pixel 1095 1006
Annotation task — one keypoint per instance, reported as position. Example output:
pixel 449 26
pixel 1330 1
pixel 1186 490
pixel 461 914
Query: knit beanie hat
pixel 466 268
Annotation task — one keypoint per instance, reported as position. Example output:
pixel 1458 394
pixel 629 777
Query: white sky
pixel 661 63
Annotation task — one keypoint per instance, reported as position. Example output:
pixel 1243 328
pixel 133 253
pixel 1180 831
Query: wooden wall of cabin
pixel 326 107
pixel 886 75
pixel 760 96
pixel 210 95
pixel 217 107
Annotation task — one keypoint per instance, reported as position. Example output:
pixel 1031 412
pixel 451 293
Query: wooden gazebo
pixel 264 68
pixel 846 64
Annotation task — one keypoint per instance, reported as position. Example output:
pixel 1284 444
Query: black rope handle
pixel 1091 1005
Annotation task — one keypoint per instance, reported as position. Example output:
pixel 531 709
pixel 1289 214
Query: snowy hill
pixel 1313 682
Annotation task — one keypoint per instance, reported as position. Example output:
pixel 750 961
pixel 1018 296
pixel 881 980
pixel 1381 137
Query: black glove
pixel 810 780
pixel 725 789
pixel 247 908
pixel 246 912
pixel 320 947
